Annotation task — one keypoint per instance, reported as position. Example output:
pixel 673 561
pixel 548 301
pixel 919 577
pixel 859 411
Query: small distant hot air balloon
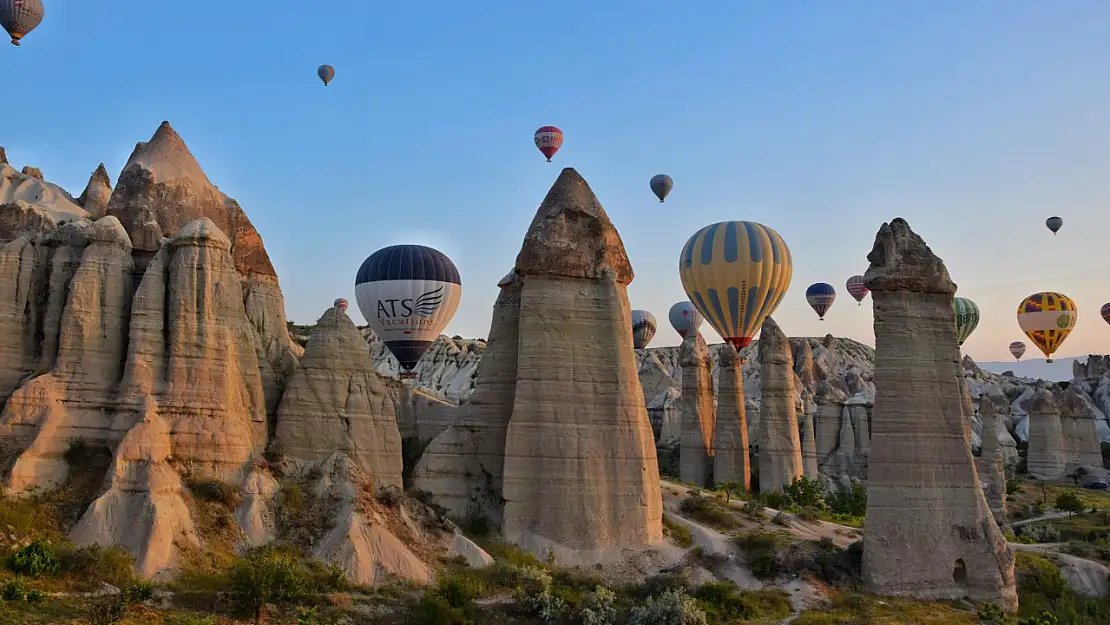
pixel 1054 224
pixel 821 297
pixel 967 318
pixel 724 258
pixel 19 17
pixel 408 294
pixel 643 328
pixel 549 139
pixel 341 304
pixel 661 185
pixel 1017 349
pixel 685 318
pixel 326 73
pixel 1105 312
pixel 1047 319
pixel 856 288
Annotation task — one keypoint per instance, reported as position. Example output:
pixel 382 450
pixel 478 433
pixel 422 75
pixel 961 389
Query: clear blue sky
pixel 974 120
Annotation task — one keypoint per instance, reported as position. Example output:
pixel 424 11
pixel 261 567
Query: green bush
pixel 33 560
pixel 661 583
pixel 266 575
pixel 460 589
pixel 434 610
pixel 673 607
pixel 680 534
pixel 215 491
pixel 138 592
pixel 1013 486
pixel 753 509
pixel 708 510
pixel 806 493
pixel 1069 502
pixel 599 608
pixel 95 564
pixel 36 596
pixel 993 614
pixel 852 502
pixel 775 499
pixel 13 591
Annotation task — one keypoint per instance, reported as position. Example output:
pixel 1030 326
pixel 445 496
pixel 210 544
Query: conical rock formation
pixel 1047 455
pixel 930 532
pixel 94 199
pixel 780 447
pixel 731 459
pixel 695 462
pixel 580 477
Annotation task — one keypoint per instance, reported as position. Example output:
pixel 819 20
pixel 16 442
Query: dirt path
pixel 1043 517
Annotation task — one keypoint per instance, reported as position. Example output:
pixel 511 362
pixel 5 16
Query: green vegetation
pixel 677 533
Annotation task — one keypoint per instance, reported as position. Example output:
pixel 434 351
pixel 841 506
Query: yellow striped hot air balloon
pixel 1047 319
pixel 735 273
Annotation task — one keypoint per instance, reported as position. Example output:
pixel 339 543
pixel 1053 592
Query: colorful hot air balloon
pixel 549 139
pixel 341 304
pixel 967 318
pixel 661 185
pixel 821 297
pixel 19 17
pixel 1017 349
pixel 643 328
pixel 1054 224
pixel 856 288
pixel 735 273
pixel 408 294
pixel 1105 312
pixel 685 318
pixel 1047 319
pixel 326 73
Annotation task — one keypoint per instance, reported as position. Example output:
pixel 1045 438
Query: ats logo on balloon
pixel 396 310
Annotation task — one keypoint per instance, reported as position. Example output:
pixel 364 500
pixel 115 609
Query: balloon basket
pixel 407 375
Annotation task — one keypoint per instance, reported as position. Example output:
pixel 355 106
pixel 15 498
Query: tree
pixel 728 488
pixel 268 575
pixel 1070 503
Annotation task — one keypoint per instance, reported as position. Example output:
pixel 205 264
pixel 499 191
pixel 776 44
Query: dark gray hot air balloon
pixel 326 73
pixel 19 17
pixel 643 328
pixel 1054 224
pixel 661 185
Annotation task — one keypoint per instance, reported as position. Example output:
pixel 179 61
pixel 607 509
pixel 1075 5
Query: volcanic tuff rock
pixel 336 402
pixel 697 426
pixel 780 450
pixel 930 532
pixel 1047 457
pixel 33 172
pixel 992 475
pixel 1077 420
pixel 580 476
pixel 50 198
pixel 731 462
pixel 94 199
pixel 809 442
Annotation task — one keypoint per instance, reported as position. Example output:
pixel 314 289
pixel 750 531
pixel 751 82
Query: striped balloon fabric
pixel 856 288
pixel 821 297
pixel 735 273
pixel 643 328
pixel 967 318
pixel 685 318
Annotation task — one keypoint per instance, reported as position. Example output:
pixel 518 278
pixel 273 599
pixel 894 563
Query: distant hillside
pixel 1057 371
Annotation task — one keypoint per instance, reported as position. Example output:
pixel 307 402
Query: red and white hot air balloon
pixel 549 139
pixel 341 304
pixel 856 288
pixel 1017 349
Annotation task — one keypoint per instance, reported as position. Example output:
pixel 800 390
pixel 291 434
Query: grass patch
pixel 709 510
pixel 848 608
pixel 1042 587
pixel 678 533
pixel 723 603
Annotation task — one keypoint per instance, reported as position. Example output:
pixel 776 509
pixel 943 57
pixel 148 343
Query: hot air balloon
pixel 19 17
pixel 820 297
pixel 1105 312
pixel 408 294
pixel 967 318
pixel 1047 319
pixel 1017 349
pixel 1054 224
pixel 326 73
pixel 643 328
pixel 685 318
pixel 735 273
pixel 549 139
pixel 661 185
pixel 341 304
pixel 856 288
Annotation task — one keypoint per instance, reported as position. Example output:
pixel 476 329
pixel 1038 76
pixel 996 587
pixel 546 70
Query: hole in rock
pixel 959 573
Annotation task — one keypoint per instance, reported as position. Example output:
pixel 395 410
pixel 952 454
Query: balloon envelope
pixel 643 328
pixel 548 139
pixel 1017 349
pixel 661 185
pixel 340 303
pixel 1047 318
pixel 856 288
pixel 408 294
pixel 735 273
pixel 1054 224
pixel 685 318
pixel 967 318
pixel 1105 312
pixel 19 17
pixel 821 297
pixel 326 73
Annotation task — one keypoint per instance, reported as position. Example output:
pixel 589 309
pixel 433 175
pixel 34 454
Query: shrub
pixel 839 567
pixel 107 611
pixel 461 589
pixel 1046 533
pixel 36 596
pixel 33 560
pixel 673 607
pixel 546 606
pixel 731 489
pixel 724 603
pixel 599 608
pixel 138 592
pixel 215 491
pixel 112 565
pixel 775 499
pixel 680 534
pixel 1069 502
pixel 267 575
pixel 991 613
pixel 433 610
pixel 1013 486
pixel 13 591
pixel 852 502
pixel 809 514
pixel 708 510
pixel 753 508
pixel 806 493
pixel 661 583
